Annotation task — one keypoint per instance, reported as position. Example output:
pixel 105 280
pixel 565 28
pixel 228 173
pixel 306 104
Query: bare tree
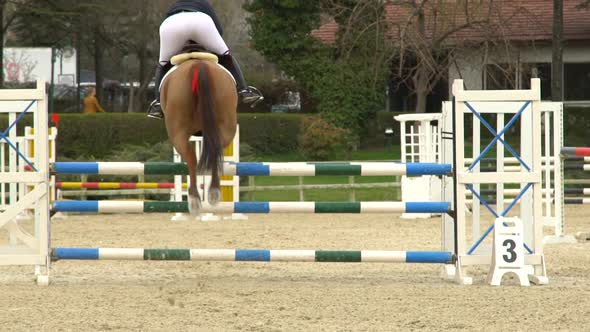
pixel 363 33
pixel 7 17
pixel 434 36
pixel 423 39
pixel 138 40
pixel 233 19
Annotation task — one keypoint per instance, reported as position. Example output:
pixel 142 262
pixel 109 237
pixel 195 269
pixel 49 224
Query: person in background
pixel 91 104
pixel 196 20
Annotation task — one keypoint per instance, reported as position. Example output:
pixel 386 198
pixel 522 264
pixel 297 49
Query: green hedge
pixel 85 135
pixel 270 133
pixel 98 136
pixel 576 126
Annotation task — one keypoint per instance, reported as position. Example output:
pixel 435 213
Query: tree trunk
pixel 98 63
pixel 142 90
pixel 138 97
pixel 78 74
pixel 131 98
pixel 2 5
pixel 557 62
pixel 421 83
pixel 421 101
pixel 140 100
pixel 421 78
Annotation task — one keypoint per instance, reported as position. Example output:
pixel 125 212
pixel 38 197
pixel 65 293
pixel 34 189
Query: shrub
pixel 270 133
pixel 247 153
pixel 319 140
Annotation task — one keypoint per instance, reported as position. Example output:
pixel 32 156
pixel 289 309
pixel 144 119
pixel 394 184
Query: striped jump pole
pixel 574 166
pixel 507 192
pixel 257 169
pixel 116 185
pixel 575 201
pixel 577 167
pixel 578 159
pixel 575 152
pixel 514 192
pixel 252 207
pixel 244 255
pixel 567 200
pixel 577 191
pixel 512 160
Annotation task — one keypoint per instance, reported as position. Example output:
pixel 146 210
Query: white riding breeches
pixel 179 28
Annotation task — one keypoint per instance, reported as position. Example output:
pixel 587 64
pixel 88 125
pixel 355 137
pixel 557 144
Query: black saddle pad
pixel 191 47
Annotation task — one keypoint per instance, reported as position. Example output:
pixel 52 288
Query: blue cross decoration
pixel 4 136
pixel 497 138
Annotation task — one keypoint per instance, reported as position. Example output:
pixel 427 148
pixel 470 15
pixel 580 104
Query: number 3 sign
pixel 508 251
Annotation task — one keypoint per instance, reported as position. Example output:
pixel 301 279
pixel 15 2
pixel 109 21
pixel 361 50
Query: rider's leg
pixel 173 36
pixel 248 95
pixel 208 36
pixel 155 109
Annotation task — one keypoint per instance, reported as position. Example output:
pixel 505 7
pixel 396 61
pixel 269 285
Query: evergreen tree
pixel 348 79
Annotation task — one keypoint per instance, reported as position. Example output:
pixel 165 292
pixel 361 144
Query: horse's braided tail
pixel 212 152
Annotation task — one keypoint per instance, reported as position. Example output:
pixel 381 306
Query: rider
pixel 196 20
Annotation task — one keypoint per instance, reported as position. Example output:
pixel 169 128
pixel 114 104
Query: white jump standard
pixel 523 107
pixel 26 247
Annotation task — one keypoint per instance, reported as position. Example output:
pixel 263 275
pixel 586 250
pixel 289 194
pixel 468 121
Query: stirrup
pixel 255 98
pixel 155 110
pixel 156 115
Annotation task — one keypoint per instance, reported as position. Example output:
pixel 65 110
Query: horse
pixel 199 98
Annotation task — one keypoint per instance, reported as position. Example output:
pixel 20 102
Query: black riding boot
pixel 248 94
pixel 155 109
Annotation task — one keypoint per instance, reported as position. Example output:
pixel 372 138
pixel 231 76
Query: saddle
pixel 193 50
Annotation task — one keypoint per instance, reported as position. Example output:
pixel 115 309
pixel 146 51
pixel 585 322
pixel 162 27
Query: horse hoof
pixel 214 196
pixel 194 205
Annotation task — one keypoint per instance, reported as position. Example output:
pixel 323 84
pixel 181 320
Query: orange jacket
pixel 91 105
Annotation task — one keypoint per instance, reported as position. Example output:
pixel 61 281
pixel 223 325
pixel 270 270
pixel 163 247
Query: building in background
pixel 28 64
pixel 521 48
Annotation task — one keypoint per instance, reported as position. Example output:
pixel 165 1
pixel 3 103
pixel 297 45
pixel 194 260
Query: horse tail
pixel 212 152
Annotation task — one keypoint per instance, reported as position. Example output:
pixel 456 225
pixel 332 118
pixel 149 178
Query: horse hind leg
pixel 226 133
pixel 214 194
pixel 211 156
pixel 226 138
pixel 187 152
